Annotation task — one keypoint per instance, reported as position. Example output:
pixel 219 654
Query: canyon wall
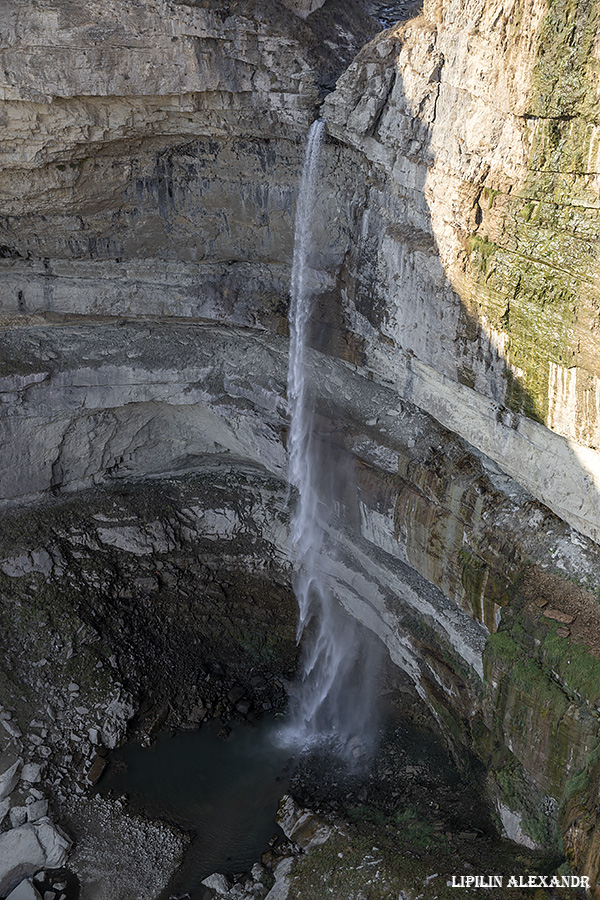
pixel 481 229
pixel 150 164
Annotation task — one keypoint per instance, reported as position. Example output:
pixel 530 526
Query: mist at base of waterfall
pixel 333 705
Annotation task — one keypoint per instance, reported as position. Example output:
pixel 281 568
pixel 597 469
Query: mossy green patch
pixel 370 863
pixel 535 277
pixel 481 249
pixel 518 792
pixel 501 647
pixel 484 587
pixel 526 211
pixel 579 783
pixel 550 700
pixel 414 831
pixel 575 665
pixel 539 688
pixel 512 784
pixel 565 61
pixel 489 196
pixel 537 827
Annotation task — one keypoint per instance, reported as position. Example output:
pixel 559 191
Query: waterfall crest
pixel 331 701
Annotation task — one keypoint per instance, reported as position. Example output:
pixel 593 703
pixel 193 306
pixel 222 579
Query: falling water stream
pixel 226 794
pixel 331 701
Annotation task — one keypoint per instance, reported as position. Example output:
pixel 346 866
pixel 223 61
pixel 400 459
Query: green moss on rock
pixel 574 664
pixel 518 792
pixel 566 60
pixel 536 281
pixel 579 783
pixel 530 711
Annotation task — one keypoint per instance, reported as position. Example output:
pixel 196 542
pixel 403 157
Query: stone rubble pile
pixel 29 840
pixel 123 855
pixel 68 747
pixel 251 888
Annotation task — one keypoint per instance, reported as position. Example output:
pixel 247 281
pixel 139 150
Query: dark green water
pixel 225 791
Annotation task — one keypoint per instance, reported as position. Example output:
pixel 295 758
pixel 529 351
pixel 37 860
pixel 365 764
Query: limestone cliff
pixel 482 226
pixel 471 278
pixel 149 152
pixel 150 162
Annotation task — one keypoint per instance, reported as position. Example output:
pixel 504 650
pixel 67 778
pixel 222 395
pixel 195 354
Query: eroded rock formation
pixel 481 226
pixel 150 162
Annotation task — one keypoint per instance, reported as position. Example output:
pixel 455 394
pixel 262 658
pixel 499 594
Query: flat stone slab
pixel 9 779
pixel 558 616
pixel 21 855
pixel 96 769
pixel 24 891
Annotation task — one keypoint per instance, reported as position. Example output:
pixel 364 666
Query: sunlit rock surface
pixel 477 254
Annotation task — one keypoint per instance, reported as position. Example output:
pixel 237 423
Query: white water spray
pixel 332 700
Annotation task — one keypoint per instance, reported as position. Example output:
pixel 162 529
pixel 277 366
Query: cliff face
pixel 149 153
pixel 482 231
pixel 472 281
pixel 150 162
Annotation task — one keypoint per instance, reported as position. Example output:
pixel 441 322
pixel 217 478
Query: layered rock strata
pixel 417 558
pixel 145 249
pixel 476 260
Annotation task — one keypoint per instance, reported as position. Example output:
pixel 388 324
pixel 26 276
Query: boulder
pixel 24 891
pixel 257 872
pixel 559 616
pixel 118 714
pixel 55 842
pixel 21 855
pixel 18 816
pixel 300 825
pixel 37 810
pixel 217 882
pixel 28 848
pixel 31 773
pixel 281 888
pixel 9 779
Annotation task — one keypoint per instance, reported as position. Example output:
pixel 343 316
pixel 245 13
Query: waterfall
pixel 331 701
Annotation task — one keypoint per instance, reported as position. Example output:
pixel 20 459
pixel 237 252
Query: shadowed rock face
pixel 150 167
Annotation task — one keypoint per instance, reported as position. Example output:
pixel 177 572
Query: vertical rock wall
pixel 150 160
pixel 477 256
